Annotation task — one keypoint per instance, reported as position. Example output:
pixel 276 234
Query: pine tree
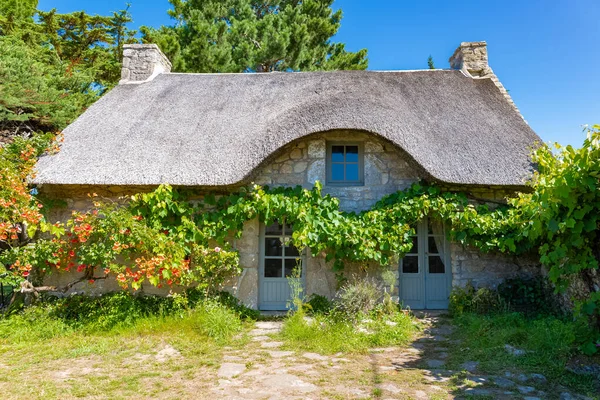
pixel 254 36
pixel 53 66
pixel 430 63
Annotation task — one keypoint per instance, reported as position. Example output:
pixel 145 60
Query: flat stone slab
pixel 526 389
pixel 478 392
pixel 470 366
pixel 260 338
pixel 269 325
pixel 280 354
pixel 390 388
pixel 271 345
pixel 262 332
pixel 435 363
pixel 437 377
pixel 229 370
pixel 275 383
pixel 442 330
pixel 503 382
pixel 315 357
pixel 166 353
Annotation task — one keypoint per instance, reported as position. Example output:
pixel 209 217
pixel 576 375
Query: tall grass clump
pixel 217 321
pixel 33 324
pixel 358 319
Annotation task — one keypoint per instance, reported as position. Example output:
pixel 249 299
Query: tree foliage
pixel 430 63
pixel 53 66
pixel 251 35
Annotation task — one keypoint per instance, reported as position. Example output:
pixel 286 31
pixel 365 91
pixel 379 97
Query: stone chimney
pixel 142 63
pixel 472 59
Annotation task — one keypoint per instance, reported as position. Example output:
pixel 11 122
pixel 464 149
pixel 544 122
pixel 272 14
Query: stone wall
pixel 387 168
pixel 489 269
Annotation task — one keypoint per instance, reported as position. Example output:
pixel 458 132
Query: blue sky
pixel 546 52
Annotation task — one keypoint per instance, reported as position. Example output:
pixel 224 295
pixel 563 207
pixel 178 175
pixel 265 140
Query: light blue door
pixel 278 259
pixel 425 272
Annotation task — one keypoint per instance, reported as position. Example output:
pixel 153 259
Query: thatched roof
pixel 215 129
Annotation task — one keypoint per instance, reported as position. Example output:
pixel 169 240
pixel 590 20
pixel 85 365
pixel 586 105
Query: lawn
pixel 209 352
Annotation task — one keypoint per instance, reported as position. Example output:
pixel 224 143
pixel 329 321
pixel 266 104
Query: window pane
pixel 352 172
pixel 337 172
pixel 410 265
pixel 436 265
pixel 274 229
pixel 432 247
pixel 273 267
pixel 290 264
pixel 351 153
pixel 415 245
pixel 273 247
pixel 337 153
pixel 291 250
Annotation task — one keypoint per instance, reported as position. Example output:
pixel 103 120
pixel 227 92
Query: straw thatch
pixel 215 129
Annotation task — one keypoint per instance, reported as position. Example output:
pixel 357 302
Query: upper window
pixel 345 164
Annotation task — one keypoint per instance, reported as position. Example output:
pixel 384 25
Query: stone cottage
pixel 363 134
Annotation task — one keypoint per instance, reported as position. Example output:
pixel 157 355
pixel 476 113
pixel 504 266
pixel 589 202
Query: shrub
pixel 33 324
pixel 113 309
pixel 318 304
pixel 529 295
pixel 217 321
pixel 359 296
pixel 482 301
pixel 122 309
pixel 233 303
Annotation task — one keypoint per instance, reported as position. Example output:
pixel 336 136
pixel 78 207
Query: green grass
pixel 549 343
pixel 330 334
pixel 46 354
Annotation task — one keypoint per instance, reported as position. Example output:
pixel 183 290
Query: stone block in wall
pixel 373 147
pixel 249 241
pixel 296 154
pixel 247 288
pixel 317 149
pixel 316 172
pixel 300 166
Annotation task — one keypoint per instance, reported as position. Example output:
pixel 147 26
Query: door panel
pixel 278 258
pixel 412 287
pixel 429 287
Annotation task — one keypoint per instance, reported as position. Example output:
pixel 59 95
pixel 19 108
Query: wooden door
pixel 278 258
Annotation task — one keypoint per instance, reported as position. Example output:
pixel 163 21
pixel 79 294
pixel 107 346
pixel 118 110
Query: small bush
pixel 233 303
pixel 529 295
pixel 33 324
pixel 360 296
pixel 113 309
pixel 481 301
pixel 217 321
pixel 318 304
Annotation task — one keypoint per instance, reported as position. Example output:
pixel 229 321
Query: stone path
pixel 263 370
pixel 263 377
pixel 428 355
